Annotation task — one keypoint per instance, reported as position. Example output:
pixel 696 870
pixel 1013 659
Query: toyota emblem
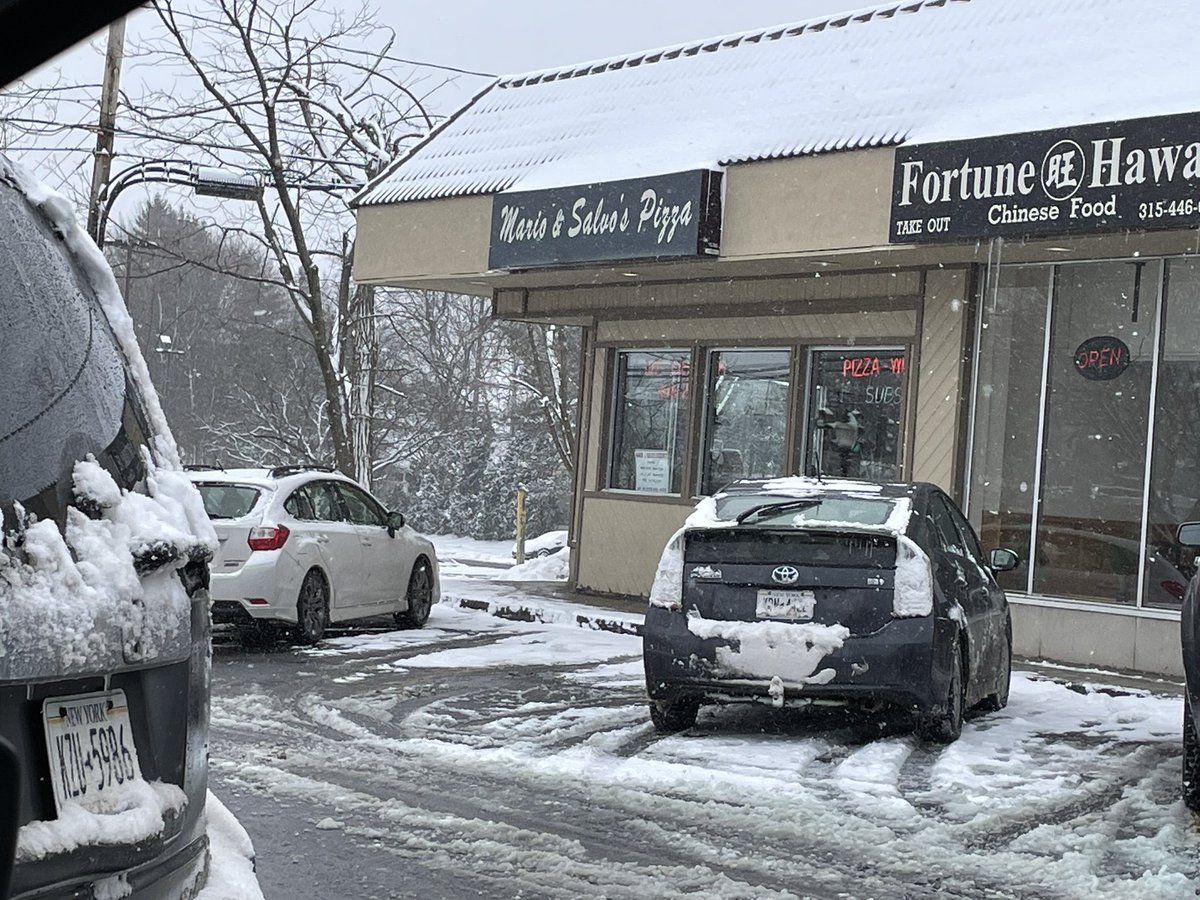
pixel 785 575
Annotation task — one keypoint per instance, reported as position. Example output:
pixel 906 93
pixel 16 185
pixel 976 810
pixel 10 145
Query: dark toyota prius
pixel 800 591
pixel 104 626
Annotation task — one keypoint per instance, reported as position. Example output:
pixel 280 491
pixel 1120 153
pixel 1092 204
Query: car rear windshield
pixel 228 501
pixel 776 510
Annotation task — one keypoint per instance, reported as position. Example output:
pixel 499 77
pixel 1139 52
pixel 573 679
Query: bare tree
pixel 286 89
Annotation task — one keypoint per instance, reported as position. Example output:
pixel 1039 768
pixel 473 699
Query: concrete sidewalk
pixel 544 601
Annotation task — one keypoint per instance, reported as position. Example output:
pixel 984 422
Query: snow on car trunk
pixel 75 603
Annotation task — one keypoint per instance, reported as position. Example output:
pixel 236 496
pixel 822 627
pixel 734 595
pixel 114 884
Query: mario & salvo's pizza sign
pixel 673 215
pixel 1135 175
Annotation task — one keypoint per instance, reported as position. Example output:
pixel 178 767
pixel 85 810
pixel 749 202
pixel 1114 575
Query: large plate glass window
pixel 855 411
pixel 1063 421
pixel 650 420
pixel 745 416
pixel 1175 471
pixel 1097 419
pixel 1008 399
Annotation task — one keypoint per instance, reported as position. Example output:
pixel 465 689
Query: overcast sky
pixel 494 37
pixel 500 37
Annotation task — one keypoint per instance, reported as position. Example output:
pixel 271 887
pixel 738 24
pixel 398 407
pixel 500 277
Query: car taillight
pixel 1175 589
pixel 267 537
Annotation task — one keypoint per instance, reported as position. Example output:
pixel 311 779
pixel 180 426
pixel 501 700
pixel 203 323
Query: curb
pixel 1081 681
pixel 522 612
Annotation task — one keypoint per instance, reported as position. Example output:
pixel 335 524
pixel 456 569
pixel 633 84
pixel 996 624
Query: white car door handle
pixel 321 539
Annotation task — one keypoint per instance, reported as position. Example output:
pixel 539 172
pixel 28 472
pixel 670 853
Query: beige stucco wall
pixel 1096 638
pixel 774 208
pixel 940 384
pixel 810 203
pixel 431 238
pixel 621 542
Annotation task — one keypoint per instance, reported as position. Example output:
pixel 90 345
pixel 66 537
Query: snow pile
pixel 133 812
pixel 231 870
pixel 555 567
pixel 788 650
pixel 74 602
pixel 913 594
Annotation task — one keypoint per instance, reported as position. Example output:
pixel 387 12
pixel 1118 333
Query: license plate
pixel 794 605
pixel 90 741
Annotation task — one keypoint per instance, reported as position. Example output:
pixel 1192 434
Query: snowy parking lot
pixel 493 757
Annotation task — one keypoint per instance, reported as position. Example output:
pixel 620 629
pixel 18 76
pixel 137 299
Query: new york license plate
pixel 791 605
pixel 91 747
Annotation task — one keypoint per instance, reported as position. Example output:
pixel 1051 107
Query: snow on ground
pixel 555 567
pixel 231 857
pixel 454 552
pixel 1068 792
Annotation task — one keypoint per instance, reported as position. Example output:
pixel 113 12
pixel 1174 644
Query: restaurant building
pixel 951 241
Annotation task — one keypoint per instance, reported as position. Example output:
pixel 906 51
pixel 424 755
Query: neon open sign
pixel 1102 358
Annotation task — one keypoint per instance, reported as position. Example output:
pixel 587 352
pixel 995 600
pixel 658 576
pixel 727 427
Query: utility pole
pixel 106 134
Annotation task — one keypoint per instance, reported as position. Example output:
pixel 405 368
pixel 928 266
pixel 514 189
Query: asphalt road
pixel 460 762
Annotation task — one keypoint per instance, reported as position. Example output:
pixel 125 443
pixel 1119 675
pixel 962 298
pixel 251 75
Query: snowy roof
pixel 911 72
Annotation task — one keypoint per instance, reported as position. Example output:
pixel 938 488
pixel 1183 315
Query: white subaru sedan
pixel 304 547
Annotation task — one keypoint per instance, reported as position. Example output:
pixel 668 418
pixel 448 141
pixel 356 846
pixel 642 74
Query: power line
pixel 396 59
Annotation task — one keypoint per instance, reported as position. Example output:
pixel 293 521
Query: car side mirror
pixel 10 813
pixel 1003 560
pixel 395 521
pixel 1189 534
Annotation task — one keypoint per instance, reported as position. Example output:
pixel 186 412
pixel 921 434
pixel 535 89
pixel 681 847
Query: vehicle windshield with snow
pixel 104 627
pixel 803 591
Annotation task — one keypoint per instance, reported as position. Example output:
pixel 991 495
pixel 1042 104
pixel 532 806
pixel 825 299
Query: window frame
pixel 686 469
pixel 708 353
pixel 346 490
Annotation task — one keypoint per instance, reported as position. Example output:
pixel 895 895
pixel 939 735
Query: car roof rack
pixel 202 467
pixel 282 471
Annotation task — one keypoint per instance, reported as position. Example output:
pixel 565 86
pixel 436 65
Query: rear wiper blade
pixel 780 507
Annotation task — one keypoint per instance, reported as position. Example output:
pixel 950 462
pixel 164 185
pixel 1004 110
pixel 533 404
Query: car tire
pixel 419 595
pixel 542 554
pixel 945 725
pixel 996 701
pixel 312 608
pixel 674 715
pixel 1191 760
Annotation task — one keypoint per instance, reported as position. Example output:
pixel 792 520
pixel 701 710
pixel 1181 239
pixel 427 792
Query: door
pixel 384 557
pixel 338 542
pixel 854 426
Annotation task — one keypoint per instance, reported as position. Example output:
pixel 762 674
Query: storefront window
pixel 1175 470
pixel 650 420
pixel 745 416
pixel 1008 399
pixel 1084 481
pixel 1097 421
pixel 855 408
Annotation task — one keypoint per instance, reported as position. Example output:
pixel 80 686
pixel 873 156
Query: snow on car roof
pixel 909 72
